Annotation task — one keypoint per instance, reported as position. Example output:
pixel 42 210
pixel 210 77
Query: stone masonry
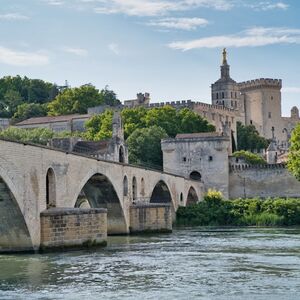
pixel 73 228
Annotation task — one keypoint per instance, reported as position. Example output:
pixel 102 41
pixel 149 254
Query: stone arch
pixel 121 154
pixel 195 175
pixel 100 193
pixel 50 189
pixel 192 197
pixel 134 188
pixel 14 232
pixel 125 186
pixel 161 193
pixel 142 187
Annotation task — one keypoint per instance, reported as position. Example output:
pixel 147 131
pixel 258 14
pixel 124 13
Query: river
pixel 190 263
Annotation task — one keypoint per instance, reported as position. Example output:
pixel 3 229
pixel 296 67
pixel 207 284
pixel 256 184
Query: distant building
pixel 141 100
pixel 71 123
pixel 113 149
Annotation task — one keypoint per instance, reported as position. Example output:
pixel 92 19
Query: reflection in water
pixel 188 264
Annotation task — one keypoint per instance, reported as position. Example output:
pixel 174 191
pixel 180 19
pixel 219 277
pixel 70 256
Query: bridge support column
pixel 72 228
pixel 156 217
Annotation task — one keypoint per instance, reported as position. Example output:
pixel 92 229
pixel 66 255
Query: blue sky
pixel 170 48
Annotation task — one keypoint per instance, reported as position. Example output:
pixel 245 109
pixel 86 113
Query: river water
pixel 197 263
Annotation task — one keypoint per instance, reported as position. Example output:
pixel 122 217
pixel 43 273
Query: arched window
pixel 125 186
pixel 217 94
pixel 181 197
pixel 134 188
pixel 223 95
pixel 195 176
pixel 50 189
pixel 142 187
pixel 121 155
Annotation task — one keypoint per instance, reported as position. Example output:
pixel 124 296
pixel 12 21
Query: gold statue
pixel 224 56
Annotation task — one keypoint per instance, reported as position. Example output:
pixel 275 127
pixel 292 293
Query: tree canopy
pixel 144 146
pixel 249 139
pixel 250 158
pixel 294 153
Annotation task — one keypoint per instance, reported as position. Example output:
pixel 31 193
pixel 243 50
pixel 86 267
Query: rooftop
pixel 197 135
pixel 52 119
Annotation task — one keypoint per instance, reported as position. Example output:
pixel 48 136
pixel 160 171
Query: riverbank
pixel 214 211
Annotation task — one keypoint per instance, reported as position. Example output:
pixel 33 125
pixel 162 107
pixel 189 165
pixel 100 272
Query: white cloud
pixel 267 5
pixel 114 48
pixel 19 58
pixel 13 17
pixel 291 89
pixel 55 2
pixel 179 23
pixel 76 51
pixel 155 7
pixel 253 37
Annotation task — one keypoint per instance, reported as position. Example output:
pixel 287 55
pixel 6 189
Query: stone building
pixel 199 156
pixel 113 149
pixel 71 123
pixel 4 123
pixel 141 100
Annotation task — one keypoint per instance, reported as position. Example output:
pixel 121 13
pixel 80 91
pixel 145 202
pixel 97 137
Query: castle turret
pixel 225 91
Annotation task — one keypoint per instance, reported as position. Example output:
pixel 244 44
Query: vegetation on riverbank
pixel 214 211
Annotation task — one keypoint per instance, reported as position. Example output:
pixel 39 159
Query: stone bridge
pixel 34 178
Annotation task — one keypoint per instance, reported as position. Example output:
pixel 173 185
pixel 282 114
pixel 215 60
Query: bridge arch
pixel 161 193
pixel 192 197
pixel 14 232
pixel 50 188
pixel 100 193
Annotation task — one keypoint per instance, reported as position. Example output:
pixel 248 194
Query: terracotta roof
pixel 196 135
pixel 52 119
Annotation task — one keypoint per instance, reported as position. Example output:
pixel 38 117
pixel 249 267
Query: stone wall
pixel 150 218
pixel 73 228
pixel 262 181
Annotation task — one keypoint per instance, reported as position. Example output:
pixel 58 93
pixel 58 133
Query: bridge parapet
pixel 243 167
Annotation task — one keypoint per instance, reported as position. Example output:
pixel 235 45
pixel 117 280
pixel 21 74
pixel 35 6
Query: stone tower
pixel 225 91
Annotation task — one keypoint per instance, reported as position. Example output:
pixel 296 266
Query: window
pixel 231 95
pixel 125 186
pixel 217 95
pixel 210 158
pixel 235 95
pixel 184 159
pixel 271 97
pixel 251 122
pixel 223 95
pixel 269 115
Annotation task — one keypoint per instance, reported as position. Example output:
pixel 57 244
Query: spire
pixel 225 68
pixel 224 62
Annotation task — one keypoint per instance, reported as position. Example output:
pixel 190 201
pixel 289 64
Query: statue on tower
pixel 224 56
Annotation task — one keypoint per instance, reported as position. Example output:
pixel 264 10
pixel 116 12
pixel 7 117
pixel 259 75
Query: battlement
pixel 258 83
pixel 191 104
pixel 243 167
pixel 182 103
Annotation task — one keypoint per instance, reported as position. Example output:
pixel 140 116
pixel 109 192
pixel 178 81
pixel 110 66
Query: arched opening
pixel 195 175
pixel 142 187
pixel 134 188
pixel 50 189
pixel 100 193
pixel 14 234
pixel 125 186
pixel 121 155
pixel 181 197
pixel 192 197
pixel 161 193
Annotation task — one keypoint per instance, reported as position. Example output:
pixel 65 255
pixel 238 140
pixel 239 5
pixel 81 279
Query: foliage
pixel 109 97
pixel 99 127
pixel 17 90
pixel 37 136
pixel 249 157
pixel 75 100
pixel 29 110
pixel 294 153
pixel 249 139
pixel 144 146
pixel 241 212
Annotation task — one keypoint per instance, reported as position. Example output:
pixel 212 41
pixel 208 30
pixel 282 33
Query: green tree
pixel 250 157
pixel 29 110
pixel 12 99
pixel 249 139
pixel 294 153
pixel 99 127
pixel 144 146
pixel 109 97
pixel 75 100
